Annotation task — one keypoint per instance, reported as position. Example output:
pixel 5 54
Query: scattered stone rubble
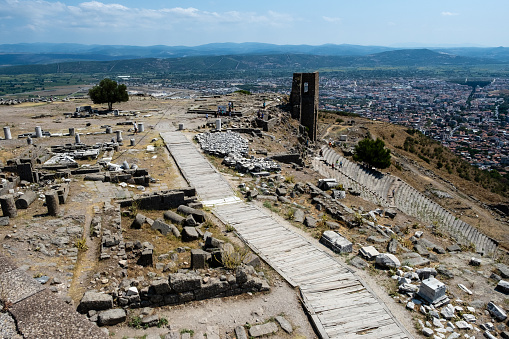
pixel 223 143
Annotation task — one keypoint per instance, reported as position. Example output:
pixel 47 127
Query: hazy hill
pixel 249 62
pixel 42 53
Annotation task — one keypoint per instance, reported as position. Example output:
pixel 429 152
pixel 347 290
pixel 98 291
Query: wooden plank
pixel 336 299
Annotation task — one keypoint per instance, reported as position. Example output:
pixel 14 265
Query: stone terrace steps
pixel 377 188
pixel 322 280
pixel 37 311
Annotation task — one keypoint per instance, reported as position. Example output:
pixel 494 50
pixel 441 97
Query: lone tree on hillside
pixel 373 152
pixel 108 91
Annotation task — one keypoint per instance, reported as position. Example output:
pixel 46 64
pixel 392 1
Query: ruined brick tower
pixel 304 101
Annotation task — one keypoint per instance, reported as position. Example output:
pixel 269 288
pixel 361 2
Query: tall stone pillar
pixel 119 136
pixel 71 131
pixel 77 138
pixel 141 127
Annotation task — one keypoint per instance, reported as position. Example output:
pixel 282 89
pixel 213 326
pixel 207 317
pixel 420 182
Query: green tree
pixel 108 91
pixel 373 152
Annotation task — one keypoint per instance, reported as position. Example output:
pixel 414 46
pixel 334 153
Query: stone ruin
pixel 304 101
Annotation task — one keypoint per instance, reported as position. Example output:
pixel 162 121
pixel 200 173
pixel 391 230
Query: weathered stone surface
pixel 298 216
pixel 199 259
pixel 392 246
pixel 8 206
pixel 264 329
pixel 111 317
pixel 285 324
pixel 310 222
pixel 358 262
pixel 240 332
pixel 503 286
pixel 454 248
pixel 160 286
pixel 174 217
pixel 184 282
pixel 198 215
pixel 336 242
pixel 377 240
pixel 496 311
pixel 150 321
pixel 426 331
pixel 172 335
pixel 138 221
pixel 4 221
pixel 161 226
pixel 26 200
pixel 42 315
pixel 387 260
pixel 95 301
pixel 189 234
pixel 369 252
pixel 503 270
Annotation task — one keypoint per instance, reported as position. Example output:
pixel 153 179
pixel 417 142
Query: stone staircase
pixel 378 188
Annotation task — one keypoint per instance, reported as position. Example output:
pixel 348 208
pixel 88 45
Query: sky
pixel 395 23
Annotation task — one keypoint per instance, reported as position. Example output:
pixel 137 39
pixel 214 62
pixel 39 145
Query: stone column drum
pixel 8 206
pixel 52 203
pixel 7 133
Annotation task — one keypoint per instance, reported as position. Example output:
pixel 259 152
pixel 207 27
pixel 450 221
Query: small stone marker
pixel 240 332
pixel 264 329
pixel 285 324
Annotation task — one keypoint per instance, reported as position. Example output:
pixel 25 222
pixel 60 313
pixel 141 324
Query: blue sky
pixel 190 23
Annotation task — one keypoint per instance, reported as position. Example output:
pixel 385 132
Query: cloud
pixel 449 14
pixel 331 19
pixel 52 15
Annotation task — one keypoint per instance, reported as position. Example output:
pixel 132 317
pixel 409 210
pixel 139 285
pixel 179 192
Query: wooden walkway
pixel 339 303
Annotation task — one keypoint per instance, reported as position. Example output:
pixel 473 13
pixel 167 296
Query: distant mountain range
pixel 46 53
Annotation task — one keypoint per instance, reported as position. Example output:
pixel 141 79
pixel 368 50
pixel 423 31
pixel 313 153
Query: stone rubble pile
pixel 250 165
pixel 223 143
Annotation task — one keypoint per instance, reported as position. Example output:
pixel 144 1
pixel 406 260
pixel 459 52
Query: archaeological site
pixel 237 216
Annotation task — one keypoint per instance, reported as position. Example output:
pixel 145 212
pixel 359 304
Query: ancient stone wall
pixel 304 101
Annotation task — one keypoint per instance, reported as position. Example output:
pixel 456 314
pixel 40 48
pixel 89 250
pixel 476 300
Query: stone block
pixel 161 226
pixel 111 317
pixel 298 216
pixel 369 252
pixel 150 321
pixel 189 234
pixel 146 258
pixel 310 222
pixel 263 330
pixel 503 286
pixel 184 282
pixel 190 221
pixel 387 260
pixel 199 259
pixel 95 301
pixel 496 311
pixel 285 324
pixel 432 290
pixel 336 242
pixel 240 332
pixel 4 221
pixel 159 286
